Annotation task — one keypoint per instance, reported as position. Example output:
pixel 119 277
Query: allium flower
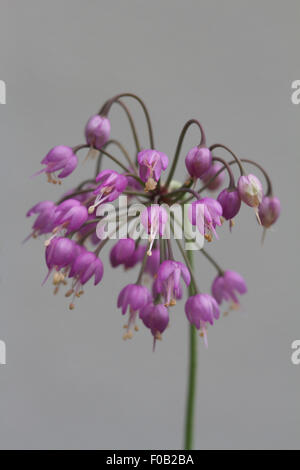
pixel 226 285
pixel 206 215
pixel 153 262
pixel 198 161
pixel 112 184
pixel 97 131
pixel 135 297
pixel 44 222
pixel 151 164
pixel 60 158
pixel 70 215
pixel 154 219
pixel 156 318
pixel 136 257
pixel 250 190
pixel 201 309
pixel 59 254
pixel 168 280
pixel 230 201
pixel 269 211
pixel 122 251
pixel 210 173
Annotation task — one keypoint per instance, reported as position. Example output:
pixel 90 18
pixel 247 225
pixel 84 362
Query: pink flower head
pixel 97 131
pixel 44 222
pixel 60 158
pixel 210 173
pixel 201 309
pixel 154 219
pixel 250 190
pixel 225 287
pixel 269 211
pixel 206 215
pixel 168 280
pixel 112 184
pixel 230 201
pixel 122 251
pixel 135 297
pixel 198 161
pixel 156 318
pixel 151 164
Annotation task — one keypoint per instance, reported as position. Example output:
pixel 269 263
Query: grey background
pixel 70 381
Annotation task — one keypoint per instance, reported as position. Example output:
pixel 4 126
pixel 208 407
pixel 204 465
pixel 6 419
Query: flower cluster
pixel 74 240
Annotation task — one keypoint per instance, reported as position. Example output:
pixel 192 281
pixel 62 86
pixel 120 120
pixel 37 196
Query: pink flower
pixel 206 215
pixel 135 297
pixel 60 158
pixel 151 164
pixel 168 280
pixel 225 287
pixel 97 131
pixel 201 309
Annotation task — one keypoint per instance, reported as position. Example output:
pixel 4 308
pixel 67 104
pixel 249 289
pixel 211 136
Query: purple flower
pixel 86 265
pixel 112 184
pixel 151 164
pixel 225 287
pixel 230 201
pixel 269 211
pixel 250 190
pixel 206 215
pixel 198 161
pixel 210 173
pixel 59 254
pixel 44 222
pixel 70 215
pixel 154 219
pixel 136 257
pixel 168 280
pixel 97 131
pixel 135 297
pixel 60 158
pixel 156 318
pixel 153 262
pixel 201 309
pixel 122 251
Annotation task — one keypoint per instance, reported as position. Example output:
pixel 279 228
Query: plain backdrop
pixel 70 381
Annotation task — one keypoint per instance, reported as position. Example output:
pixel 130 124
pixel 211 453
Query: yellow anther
pixel 91 209
pixel 71 306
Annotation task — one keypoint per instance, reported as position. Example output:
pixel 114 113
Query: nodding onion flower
pixel 74 241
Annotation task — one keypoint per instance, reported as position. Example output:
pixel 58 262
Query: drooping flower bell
pixel 135 297
pixel 154 219
pixel 153 262
pixel 206 215
pixel 44 222
pixel 201 309
pixel 70 215
pixel 59 159
pixel 168 280
pixel 230 201
pixel 60 253
pixel 156 318
pixel 84 266
pixel 269 211
pixel 250 190
pixel 122 251
pixel 112 184
pixel 198 161
pixel 210 173
pixel 225 286
pixel 97 131
pixel 151 163
pixel 136 257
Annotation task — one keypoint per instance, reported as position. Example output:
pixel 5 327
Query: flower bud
pixel 97 131
pixel 198 161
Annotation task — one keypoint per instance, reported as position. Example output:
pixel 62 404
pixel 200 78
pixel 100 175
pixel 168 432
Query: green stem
pixel 192 379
